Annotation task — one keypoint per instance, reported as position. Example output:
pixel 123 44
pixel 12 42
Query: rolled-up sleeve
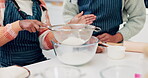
pixel 136 18
pixel 9 32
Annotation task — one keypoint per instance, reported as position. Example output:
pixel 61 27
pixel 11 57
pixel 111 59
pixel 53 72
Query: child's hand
pixel 31 25
pixel 100 49
pixel 83 19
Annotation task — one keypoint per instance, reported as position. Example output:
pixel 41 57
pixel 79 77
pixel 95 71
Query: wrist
pixel 69 22
pixel 118 37
pixel 20 24
pixel 16 26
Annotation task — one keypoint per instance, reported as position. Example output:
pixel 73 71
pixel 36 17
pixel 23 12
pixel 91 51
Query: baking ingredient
pixel 76 58
pixel 73 41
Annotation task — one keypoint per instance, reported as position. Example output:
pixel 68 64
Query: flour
pixel 73 41
pixel 75 58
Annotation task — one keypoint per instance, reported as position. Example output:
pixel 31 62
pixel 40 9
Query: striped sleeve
pixel 45 35
pixel 45 38
pixel 9 32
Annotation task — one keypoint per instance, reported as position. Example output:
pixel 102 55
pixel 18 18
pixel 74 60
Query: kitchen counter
pixel 99 62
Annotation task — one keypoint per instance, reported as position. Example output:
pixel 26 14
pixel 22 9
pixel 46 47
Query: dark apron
pixel 24 49
pixel 108 12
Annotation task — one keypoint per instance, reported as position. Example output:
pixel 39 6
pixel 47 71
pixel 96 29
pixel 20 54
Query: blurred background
pixel 55 13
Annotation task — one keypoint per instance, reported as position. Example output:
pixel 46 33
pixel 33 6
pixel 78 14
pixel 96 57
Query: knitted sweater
pixel 133 13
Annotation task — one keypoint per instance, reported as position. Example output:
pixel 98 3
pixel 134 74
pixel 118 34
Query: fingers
pixel 31 25
pixel 88 18
pixel 100 49
pixel 33 29
pixel 79 15
pixel 105 37
pixel 40 23
pixel 35 26
pixel 83 19
pixel 89 22
pixel 102 35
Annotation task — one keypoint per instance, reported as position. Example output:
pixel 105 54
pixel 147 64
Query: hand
pixel 100 49
pixel 83 19
pixel 110 38
pixel 31 25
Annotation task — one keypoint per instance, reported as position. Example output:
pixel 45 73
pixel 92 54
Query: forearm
pixel 118 37
pixel 131 29
pixel 45 40
pixel 9 32
pixel 136 19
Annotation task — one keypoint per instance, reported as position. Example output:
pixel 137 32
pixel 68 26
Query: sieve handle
pixel 49 27
pixel 97 29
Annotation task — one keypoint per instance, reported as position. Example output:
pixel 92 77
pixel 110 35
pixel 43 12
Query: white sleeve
pixel 42 41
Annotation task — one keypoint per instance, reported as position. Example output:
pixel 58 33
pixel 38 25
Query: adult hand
pixel 83 19
pixel 110 38
pixel 31 25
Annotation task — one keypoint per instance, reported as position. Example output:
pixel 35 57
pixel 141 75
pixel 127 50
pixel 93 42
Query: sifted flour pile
pixel 75 58
pixel 73 41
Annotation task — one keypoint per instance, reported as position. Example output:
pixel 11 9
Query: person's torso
pixel 25 5
pixel 24 49
pixel 109 13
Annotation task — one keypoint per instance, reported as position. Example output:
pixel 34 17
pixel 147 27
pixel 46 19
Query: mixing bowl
pixel 73 34
pixel 62 72
pixel 58 72
pixel 76 54
pixel 121 71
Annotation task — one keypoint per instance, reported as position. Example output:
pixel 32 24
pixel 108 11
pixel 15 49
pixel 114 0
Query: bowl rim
pixel 83 45
pixel 115 66
pixel 91 27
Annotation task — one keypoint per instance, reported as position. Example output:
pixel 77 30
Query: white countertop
pixel 146 11
pixel 101 60
pixel 93 68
